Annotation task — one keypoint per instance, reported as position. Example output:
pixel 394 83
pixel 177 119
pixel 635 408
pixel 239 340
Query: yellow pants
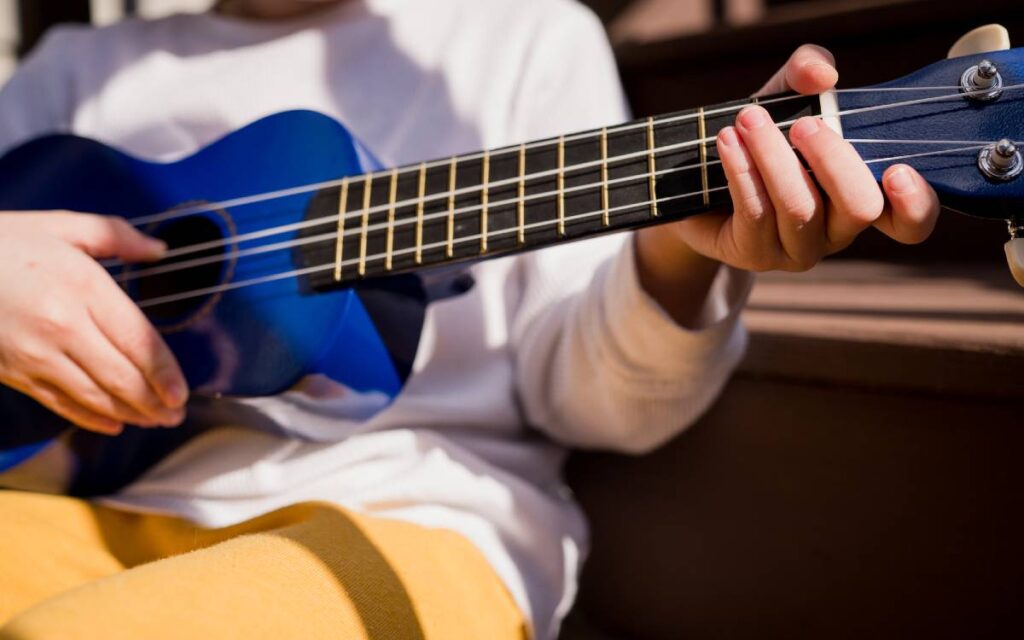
pixel 70 569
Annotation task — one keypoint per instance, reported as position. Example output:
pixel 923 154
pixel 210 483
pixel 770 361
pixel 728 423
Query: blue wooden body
pixel 286 330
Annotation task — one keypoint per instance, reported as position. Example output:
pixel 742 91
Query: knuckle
pixel 753 206
pixel 52 320
pixel 141 343
pixel 118 386
pixel 867 209
pixel 26 356
pixel 799 207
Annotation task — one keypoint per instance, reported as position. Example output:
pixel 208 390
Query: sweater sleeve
pixel 599 364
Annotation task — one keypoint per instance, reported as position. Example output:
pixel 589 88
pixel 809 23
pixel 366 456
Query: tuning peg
pixel 991 37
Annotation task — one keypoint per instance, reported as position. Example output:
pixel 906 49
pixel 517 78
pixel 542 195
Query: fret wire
pixel 701 133
pixel 604 177
pixel 339 247
pixel 521 199
pixel 392 196
pixel 419 212
pixel 320 268
pixel 485 177
pixel 367 188
pixel 560 178
pixel 452 170
pixel 332 235
pixel 651 187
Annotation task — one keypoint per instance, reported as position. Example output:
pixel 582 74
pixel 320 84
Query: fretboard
pixel 528 196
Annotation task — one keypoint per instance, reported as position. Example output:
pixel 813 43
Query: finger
pixel 795 198
pixel 128 329
pixel 752 230
pixel 63 405
pixel 856 200
pixel 116 375
pixel 913 206
pixel 105 236
pixel 68 376
pixel 811 69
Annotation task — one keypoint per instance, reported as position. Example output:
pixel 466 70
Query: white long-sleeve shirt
pixel 559 347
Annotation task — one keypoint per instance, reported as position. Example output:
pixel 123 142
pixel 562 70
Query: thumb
pixel 811 69
pixel 108 237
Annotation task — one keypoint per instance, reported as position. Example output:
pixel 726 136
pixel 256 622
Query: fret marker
pixel 452 169
pixel 485 178
pixel 419 212
pixel 702 133
pixel 391 219
pixel 561 185
pixel 521 200
pixel 339 246
pixel 367 188
pixel 651 168
pixel 604 177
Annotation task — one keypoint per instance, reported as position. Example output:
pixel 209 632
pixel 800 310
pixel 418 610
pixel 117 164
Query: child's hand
pixel 779 220
pixel 69 337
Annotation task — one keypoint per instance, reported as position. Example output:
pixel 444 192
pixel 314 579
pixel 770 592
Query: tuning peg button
pixel 1001 161
pixel 982 82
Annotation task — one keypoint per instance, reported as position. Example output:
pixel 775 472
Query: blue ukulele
pixel 293 254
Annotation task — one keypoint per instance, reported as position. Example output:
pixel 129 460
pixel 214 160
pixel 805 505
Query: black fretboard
pixel 524 197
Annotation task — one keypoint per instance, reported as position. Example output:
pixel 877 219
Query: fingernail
pixel 826 73
pixel 753 118
pixel 177 394
pixel 728 137
pixel 804 128
pixel 900 180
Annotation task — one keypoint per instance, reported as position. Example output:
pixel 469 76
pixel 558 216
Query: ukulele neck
pixel 528 196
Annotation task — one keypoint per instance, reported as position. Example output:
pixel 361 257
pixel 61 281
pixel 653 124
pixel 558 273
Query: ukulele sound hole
pixel 183 274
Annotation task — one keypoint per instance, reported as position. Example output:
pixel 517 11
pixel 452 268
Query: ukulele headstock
pixel 960 123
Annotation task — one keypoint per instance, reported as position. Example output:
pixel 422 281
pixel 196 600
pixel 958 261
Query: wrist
pixel 673 274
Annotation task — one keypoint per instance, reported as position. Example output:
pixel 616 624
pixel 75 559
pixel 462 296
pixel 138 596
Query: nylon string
pixel 136 274
pixel 476 237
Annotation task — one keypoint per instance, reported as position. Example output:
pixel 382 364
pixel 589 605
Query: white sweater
pixel 561 340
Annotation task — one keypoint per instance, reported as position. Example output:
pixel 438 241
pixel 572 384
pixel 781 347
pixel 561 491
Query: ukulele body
pixel 250 340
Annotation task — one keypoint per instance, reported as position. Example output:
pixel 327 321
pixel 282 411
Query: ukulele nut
pixel 982 82
pixel 1001 161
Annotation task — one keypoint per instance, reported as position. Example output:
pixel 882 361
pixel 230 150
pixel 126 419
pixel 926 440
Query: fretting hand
pixel 69 337
pixel 779 219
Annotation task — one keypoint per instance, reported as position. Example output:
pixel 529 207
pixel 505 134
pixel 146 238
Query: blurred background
pixel 860 476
